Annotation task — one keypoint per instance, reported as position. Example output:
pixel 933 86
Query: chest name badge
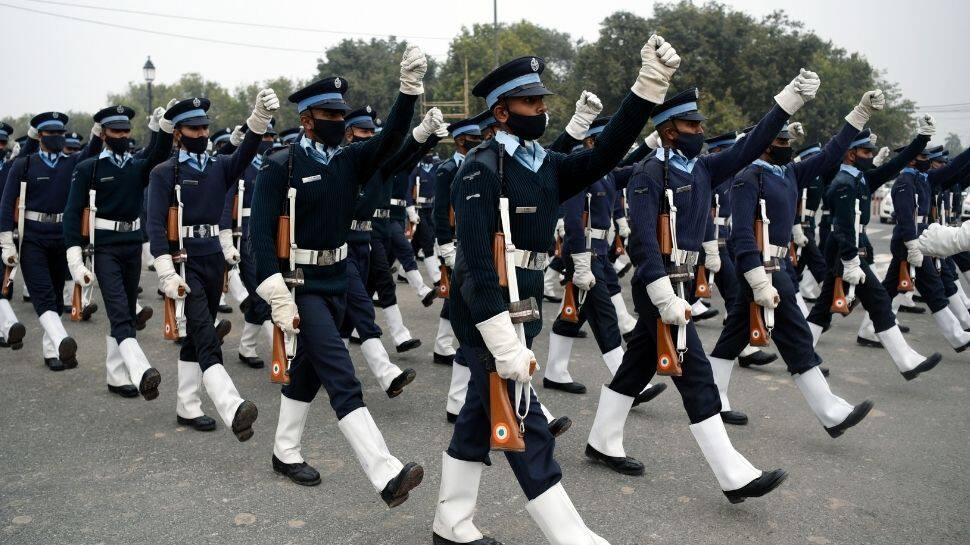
pixel 43 179
pixel 108 179
pixel 683 189
pixel 190 182
pixel 314 178
pixel 525 209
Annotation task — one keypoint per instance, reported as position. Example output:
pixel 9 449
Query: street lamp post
pixel 149 72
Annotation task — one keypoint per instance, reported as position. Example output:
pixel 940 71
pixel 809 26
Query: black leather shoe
pixel 962 348
pixel 355 340
pixel 67 353
pixel 438 540
pixel 200 423
pixel 824 370
pixel 242 423
pixel 917 298
pixel 759 357
pixel 87 311
pixel 927 364
pixel 26 298
pixel 128 390
pixel 451 417
pixel 810 300
pixel 253 362
pixel 443 359
pixel 768 481
pixel 402 279
pixel 620 464
pixel 709 313
pixel 225 309
pixel 858 413
pixel 552 298
pixel 429 298
pixel 141 319
pixel 581 334
pixel 246 303
pixel 301 473
pixel 861 341
pixel 15 337
pixel 149 384
pixel 912 309
pixel 409 344
pixel 649 394
pixel 396 491
pixel 560 425
pixel 54 364
pixel 734 418
pixel 902 328
pixel 568 387
pixel 222 329
pixel 622 272
pixel 399 382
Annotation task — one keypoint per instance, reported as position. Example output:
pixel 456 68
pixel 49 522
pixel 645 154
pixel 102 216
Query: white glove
pixel 764 293
pixel 673 309
pixel 560 228
pixel 32 133
pixel 413 216
pixel 169 282
pixel 229 250
pixel 871 101
pixel 14 150
pixel 798 235
pixel 936 240
pixel 96 130
pixel 283 309
pixel 712 256
pixel 925 125
pixel 165 125
pixel 797 130
pixel 881 157
pixel 428 126
pixel 153 119
pixel 913 254
pixel 75 264
pixel 852 271
pixel 652 140
pixel 413 67
pixel 266 103
pixel 582 274
pixel 659 60
pixel 623 227
pixel 587 108
pixel 237 135
pixel 8 250
pixel 442 131
pixel 798 91
pixel 512 359
pixel 447 253
pixel 873 138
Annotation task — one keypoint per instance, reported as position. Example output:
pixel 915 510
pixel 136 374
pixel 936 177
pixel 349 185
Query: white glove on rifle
pixel 881 157
pixel 582 274
pixel 560 228
pixel 913 254
pixel 652 140
pixel 229 250
pixel 168 281
pixel 512 359
pixel 764 293
pixel 936 240
pixel 413 216
pixel 798 235
pixel 266 103
pixel 447 253
pixel 283 309
pixel 75 264
pixel 712 256
pixel 797 130
pixel 8 250
pixel 413 67
pixel 587 108
pixel 799 91
pixel 659 60
pixel 237 135
pixel 925 125
pixel 871 101
pixel 428 126
pixel 673 309
pixel 623 227
pixel 852 271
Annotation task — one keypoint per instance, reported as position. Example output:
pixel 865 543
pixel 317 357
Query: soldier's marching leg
pixel 119 382
pixel 550 281
pixel 188 404
pixel 625 321
pixel 248 342
pixel 44 266
pixel 726 280
pixel 929 283
pixel 458 389
pixel 287 456
pixel 400 248
pixel 380 281
pixel 457 497
pixel 12 332
pixel 444 342
pixel 256 314
pixel 730 345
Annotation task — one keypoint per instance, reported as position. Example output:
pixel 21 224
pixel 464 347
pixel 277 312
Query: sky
pixel 63 62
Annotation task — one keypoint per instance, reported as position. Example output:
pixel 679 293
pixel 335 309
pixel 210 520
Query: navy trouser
pixel 423 237
pixel 203 274
pixel 962 261
pixel 927 278
pixel 812 258
pixel 871 294
pixel 557 264
pixel 612 279
pixel 258 311
pixel 360 307
pixel 949 276
pixel 824 229
pixel 379 279
pixel 446 315
pixel 118 268
pixel 400 247
pixel 321 356
pixel 535 469
pixel 791 333
pixel 597 309
pixel 43 262
pixel 696 385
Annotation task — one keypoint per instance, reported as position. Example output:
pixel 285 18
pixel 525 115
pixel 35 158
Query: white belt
pixel 398 202
pixel 246 212
pixel 321 258
pixel 721 222
pixel 809 213
pixel 119 226
pixel 686 257
pixel 200 231
pixel 382 213
pixel 424 200
pixel 777 251
pixel 43 217
pixel 920 219
pixel 535 261
pixel 598 234
pixel 826 213
pixel 358 225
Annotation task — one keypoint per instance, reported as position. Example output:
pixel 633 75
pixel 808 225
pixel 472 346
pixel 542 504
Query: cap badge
pixel 121 109
pixel 55 115
pixel 369 109
pixel 336 83
pixel 534 64
pixel 196 102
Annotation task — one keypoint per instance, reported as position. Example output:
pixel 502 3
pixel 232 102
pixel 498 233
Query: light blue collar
pixel 196 160
pixel 528 153
pixel 919 175
pixel 118 160
pixel 51 158
pixel 774 169
pixel 678 161
pixel 459 158
pixel 257 161
pixel 317 151
pixel 850 169
pixel 426 166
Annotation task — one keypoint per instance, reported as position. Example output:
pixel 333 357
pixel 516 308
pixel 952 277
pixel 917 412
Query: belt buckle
pixel 326 258
pixel 771 265
pixel 678 274
pixel 202 231
pixel 124 226
pixel 524 311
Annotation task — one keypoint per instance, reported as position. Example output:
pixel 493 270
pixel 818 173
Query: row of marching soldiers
pixel 309 229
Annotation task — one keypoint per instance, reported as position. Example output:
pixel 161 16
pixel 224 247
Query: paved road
pixel 80 466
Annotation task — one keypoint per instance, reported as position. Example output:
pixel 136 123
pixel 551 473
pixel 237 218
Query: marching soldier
pixel 195 184
pixel 11 330
pixel 513 170
pixel 41 182
pixel 111 186
pixel 420 197
pixel 318 182
pixel 72 143
pixel 399 247
pixel 811 262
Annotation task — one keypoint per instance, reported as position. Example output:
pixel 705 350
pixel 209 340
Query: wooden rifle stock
pixel 16 210
pixel 498 251
pixel 839 303
pixel 757 332
pixel 86 222
pixel 283 237
pixel 668 363
pixel 444 286
pixel 905 282
pixel 793 254
pixel 558 249
pixel 618 247
pixel 171 325
pixel 663 234
pixel 279 371
pixel 225 280
pixel 702 288
pixel 409 230
pixel 77 305
pixel 235 207
pixel 451 216
pixel 7 284
pixel 173 224
pixel 506 434
pixel 569 312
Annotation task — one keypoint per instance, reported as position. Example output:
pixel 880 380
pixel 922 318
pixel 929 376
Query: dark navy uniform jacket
pixel 912 184
pixel 444 174
pixel 602 196
pixel 249 180
pixel 425 173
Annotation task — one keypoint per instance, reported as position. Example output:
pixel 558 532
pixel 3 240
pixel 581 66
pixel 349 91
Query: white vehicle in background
pixel 884 198
pixel 965 209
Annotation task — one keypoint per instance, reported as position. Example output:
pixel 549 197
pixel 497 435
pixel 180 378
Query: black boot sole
pixel 441 359
pixel 438 540
pixel 962 348
pixel 927 364
pixel 397 385
pixel 615 463
pixel 283 469
pixel 568 387
pixel 207 425
pixel 451 418
pixel 410 344
pixel 127 392
pixel 856 416
pixel 16 335
pixel 67 353
pixel 764 359
pixel 759 487
pixel 242 423
pixel 54 364
pixel 252 363
pixel 903 328
pixel 413 474
pixel 867 343
pixel 149 384
pixel 560 426
pixel 734 418
pixel 912 310
pixel 141 320
pixel 87 311
pixel 647 396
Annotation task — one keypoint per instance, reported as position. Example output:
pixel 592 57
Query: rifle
pixel 444 286
pixel 619 248
pixel 569 311
pixel 857 227
pixel 759 331
pixel 19 212
pixel 415 192
pixel 232 283
pixel 702 287
pixel 941 219
pixel 669 356
pixel 81 297
pixel 588 231
pixel 175 308
pixel 284 345
pixel 795 252
pixel 904 282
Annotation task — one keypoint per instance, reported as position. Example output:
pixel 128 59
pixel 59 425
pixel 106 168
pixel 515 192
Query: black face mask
pixel 263 147
pixel 527 127
pixel 355 138
pixel 117 145
pixel 780 155
pixel 689 145
pixel 195 145
pixel 470 144
pixel 331 133
pixel 53 142
pixel 864 163
pixel 922 165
